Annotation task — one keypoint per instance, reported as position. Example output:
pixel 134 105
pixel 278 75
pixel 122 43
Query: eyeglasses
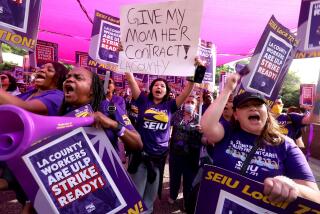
pixel 3 77
pixel 111 82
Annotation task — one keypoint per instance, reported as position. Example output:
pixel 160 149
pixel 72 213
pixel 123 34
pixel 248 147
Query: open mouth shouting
pixel 254 117
pixel 40 77
pixel 158 93
pixel 68 90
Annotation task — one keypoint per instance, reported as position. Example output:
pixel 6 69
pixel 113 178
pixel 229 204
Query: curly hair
pixel 97 91
pixel 13 83
pixel 61 73
pixel 166 96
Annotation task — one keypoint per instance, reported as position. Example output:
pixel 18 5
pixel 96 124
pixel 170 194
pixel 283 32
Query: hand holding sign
pixel 199 72
pixel 232 81
pixel 102 121
pixel 280 188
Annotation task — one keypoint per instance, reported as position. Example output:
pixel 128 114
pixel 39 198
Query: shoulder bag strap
pixel 250 156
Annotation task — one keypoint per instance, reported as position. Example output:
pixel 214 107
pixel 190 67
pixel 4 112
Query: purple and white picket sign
pixel 104 43
pixel 46 52
pixel 223 191
pixel 270 62
pixel 222 80
pixel 118 80
pixel 309 30
pixel 307 93
pixel 81 59
pixel 207 53
pixel 46 168
pixel 20 23
pixel 72 177
pixel 139 76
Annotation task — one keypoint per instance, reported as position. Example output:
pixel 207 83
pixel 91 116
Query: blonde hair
pixel 271 132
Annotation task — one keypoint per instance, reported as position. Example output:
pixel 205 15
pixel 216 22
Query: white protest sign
pixel 161 38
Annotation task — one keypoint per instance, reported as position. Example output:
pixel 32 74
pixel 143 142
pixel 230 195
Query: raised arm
pixel 130 138
pixel 281 188
pixel 35 106
pixel 187 90
pixel 135 90
pixel 211 127
pixel 184 94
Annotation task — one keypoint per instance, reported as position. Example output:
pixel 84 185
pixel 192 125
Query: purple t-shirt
pixel 52 99
pixel 120 116
pixel 268 161
pixel 119 101
pixel 153 124
pixel 290 124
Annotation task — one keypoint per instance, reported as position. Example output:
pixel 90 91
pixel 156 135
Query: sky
pixel 307 69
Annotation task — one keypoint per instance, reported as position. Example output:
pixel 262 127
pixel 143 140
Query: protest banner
pixel 46 52
pixel 160 38
pixel 104 43
pixel 207 53
pixel 307 93
pixel 102 72
pixel 118 195
pixel 222 80
pixel 68 169
pixel 170 79
pixel 309 29
pixel 178 80
pixel 19 23
pixel 151 78
pixel 139 76
pixel 81 59
pixel 145 79
pixel 270 62
pixel 229 192
pixel 118 80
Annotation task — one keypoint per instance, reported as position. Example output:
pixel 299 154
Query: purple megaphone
pixel 19 129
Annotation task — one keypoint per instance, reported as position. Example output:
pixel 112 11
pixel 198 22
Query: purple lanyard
pixel 310 138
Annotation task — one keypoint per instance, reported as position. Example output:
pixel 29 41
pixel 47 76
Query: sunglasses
pixel 111 82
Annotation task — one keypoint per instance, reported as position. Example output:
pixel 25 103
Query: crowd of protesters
pixel 162 123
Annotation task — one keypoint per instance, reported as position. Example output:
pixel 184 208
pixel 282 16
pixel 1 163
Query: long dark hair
pixel 97 91
pixel 60 75
pixel 12 80
pixel 97 94
pixel 166 96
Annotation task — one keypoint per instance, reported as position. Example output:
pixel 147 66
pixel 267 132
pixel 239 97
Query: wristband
pixel 121 132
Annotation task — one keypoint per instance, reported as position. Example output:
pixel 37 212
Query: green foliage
pixel 220 68
pixel 290 90
pixel 10 49
pixel 6 66
pixel 68 66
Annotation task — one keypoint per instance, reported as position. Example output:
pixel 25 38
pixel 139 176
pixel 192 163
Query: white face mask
pixel 189 108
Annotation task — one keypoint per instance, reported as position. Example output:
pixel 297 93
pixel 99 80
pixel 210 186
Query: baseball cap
pixel 246 96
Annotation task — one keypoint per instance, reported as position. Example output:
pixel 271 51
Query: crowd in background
pixel 149 126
